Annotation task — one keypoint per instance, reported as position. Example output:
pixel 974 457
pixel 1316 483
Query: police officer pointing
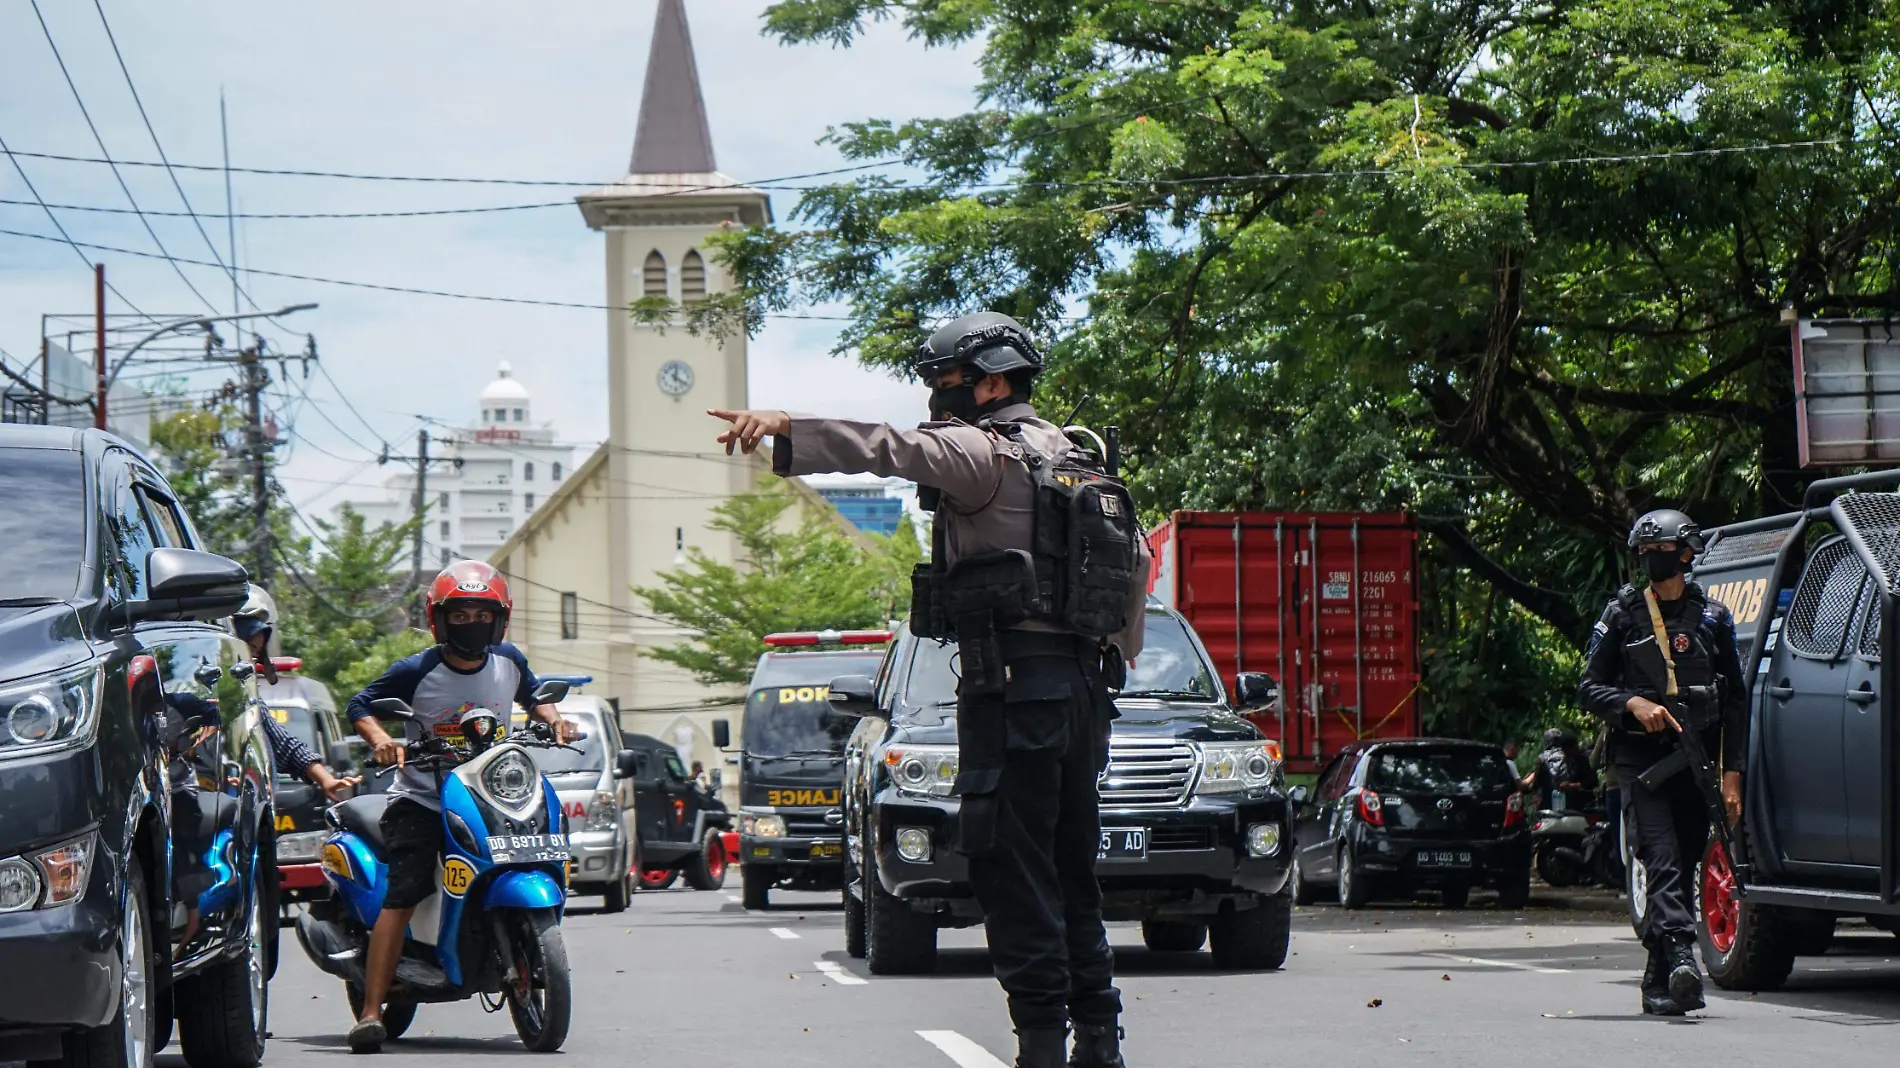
pixel 1039 571
pixel 1662 661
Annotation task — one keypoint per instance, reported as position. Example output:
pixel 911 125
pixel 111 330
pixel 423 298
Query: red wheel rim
pixel 655 877
pixel 1721 913
pixel 715 857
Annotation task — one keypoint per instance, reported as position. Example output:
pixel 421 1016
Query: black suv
pixel 110 667
pixel 680 827
pixel 1195 838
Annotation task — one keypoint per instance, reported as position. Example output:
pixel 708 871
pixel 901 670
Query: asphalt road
pixel 692 979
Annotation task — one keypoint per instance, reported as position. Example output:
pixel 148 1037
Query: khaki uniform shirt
pixel 988 492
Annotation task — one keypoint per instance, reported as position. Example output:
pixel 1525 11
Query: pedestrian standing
pixel 1649 646
pixel 1044 631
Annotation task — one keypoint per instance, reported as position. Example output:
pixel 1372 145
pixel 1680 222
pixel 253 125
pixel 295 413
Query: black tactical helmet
pixel 992 342
pixel 1666 524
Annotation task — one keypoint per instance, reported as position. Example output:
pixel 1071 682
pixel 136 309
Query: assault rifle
pixel 1692 756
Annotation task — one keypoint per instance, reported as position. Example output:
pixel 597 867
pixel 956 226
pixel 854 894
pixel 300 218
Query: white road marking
pixel 966 1053
pixel 1519 965
pixel 832 971
pixel 732 898
pixel 784 932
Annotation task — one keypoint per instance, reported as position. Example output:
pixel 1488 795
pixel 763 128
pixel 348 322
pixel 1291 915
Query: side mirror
pixel 853 695
pixel 722 734
pixel 626 764
pixel 340 756
pixel 551 691
pixel 1297 795
pixel 185 584
pixel 391 708
pixel 1255 689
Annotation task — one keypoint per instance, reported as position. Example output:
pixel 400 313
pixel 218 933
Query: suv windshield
pixel 298 720
pixel 591 758
pixel 1169 666
pixel 1452 770
pixel 43 525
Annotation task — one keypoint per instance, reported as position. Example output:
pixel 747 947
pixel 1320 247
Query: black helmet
pixel 992 342
pixel 1666 524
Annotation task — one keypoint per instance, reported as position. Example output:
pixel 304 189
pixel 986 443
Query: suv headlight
pixel 48 712
pixel 1237 767
pixel 761 826
pixel 922 770
pixel 512 778
pixel 603 812
pixel 304 847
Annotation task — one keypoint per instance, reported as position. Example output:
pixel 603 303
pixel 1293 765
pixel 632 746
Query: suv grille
pixel 1147 773
pixel 809 825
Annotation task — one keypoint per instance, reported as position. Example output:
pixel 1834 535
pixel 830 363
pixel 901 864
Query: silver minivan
pixel 597 802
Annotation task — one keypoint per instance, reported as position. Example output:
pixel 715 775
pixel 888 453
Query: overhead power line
pixel 57 225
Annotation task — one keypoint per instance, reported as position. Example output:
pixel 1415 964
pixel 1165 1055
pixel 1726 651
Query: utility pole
pixel 420 503
pixel 99 349
pixel 257 448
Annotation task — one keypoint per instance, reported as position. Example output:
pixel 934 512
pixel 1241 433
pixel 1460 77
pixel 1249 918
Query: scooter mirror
pixel 391 708
pixel 551 691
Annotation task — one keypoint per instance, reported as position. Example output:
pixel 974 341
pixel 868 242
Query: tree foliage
pixel 1517 266
pixel 814 577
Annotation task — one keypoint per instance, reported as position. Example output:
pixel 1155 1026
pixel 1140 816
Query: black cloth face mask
pixel 469 639
pixel 954 402
pixel 1662 564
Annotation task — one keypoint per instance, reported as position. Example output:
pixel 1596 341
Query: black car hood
pixel 36 640
pixel 1141 717
pixel 790 781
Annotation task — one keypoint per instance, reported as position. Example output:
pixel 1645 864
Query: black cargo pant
pixel 1668 828
pixel 1030 823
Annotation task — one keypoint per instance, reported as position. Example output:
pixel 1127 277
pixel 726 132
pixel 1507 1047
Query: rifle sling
pixel 1662 638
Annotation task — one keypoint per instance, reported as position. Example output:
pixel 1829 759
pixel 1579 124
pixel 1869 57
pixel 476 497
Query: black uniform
pixel 1668 824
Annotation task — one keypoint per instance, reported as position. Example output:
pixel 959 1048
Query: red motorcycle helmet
pixel 469 584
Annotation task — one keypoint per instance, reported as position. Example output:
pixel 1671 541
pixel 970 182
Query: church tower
pixel 664 472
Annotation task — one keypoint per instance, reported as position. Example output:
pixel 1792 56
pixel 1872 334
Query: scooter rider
pixel 256 626
pixel 469 667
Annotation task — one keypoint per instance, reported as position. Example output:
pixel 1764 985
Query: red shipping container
pixel 1326 603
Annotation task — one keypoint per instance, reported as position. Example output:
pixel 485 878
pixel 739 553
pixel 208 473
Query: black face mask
pixel 954 402
pixel 1662 564
pixel 469 640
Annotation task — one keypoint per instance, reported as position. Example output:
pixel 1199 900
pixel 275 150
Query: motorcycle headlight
pixel 1237 767
pixel 923 770
pixel 511 778
pixel 304 847
pixel 48 712
pixel 758 826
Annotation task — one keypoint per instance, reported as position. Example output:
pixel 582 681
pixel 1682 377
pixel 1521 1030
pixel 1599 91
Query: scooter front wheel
pixel 540 997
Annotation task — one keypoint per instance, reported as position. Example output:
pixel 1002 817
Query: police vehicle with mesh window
pixel 791 768
pixel 1812 592
pixel 1195 835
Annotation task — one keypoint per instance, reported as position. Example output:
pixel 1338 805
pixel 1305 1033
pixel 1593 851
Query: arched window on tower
pixel 527 471
pixel 692 276
pixel 557 470
pixel 653 278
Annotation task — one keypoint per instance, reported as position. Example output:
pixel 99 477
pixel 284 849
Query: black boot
pixel 1041 1047
pixel 1685 979
pixel 1656 999
pixel 1097 1046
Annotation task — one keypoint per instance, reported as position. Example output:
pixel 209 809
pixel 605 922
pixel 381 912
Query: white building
pixel 508 467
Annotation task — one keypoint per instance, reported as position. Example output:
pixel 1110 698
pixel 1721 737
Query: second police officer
pixel 1661 648
pixel 1039 571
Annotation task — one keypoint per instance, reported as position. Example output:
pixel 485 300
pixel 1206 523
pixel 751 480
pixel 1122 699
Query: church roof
pixel 673 136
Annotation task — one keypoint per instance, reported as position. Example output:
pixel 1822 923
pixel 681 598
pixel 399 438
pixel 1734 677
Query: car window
pixel 1460 769
pixel 165 519
pixel 881 686
pixel 674 767
pixel 129 538
pixel 588 754
pixel 1331 777
pixel 43 525
pixel 1824 602
pixel 1169 665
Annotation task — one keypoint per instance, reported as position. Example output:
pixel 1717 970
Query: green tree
pixel 344 610
pixel 814 577
pixel 1519 267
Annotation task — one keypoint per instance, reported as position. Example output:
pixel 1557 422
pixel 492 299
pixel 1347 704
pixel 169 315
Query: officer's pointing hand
pixel 1654 717
pixel 749 426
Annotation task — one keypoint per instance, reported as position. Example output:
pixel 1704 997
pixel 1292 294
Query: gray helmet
pixel 258 614
pixel 992 342
pixel 1666 524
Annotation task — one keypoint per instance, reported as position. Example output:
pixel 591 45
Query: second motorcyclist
pixel 469 667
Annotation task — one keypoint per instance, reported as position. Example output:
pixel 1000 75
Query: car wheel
pixel 1173 936
pixel 1303 891
pixel 1556 869
pixel 618 893
pixel 1456 897
pixel 1514 889
pixel 898 940
pixel 853 911
pixel 130 1040
pixel 658 878
pixel 1811 934
pixel 755 886
pixel 1352 886
pixel 223 1012
pixel 1255 939
pixel 707 871
pixel 1746 947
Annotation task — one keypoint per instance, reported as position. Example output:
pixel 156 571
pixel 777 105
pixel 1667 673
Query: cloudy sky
pixel 486 88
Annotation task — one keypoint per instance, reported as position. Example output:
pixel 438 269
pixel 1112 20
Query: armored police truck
pixel 792 765
pixel 1812 593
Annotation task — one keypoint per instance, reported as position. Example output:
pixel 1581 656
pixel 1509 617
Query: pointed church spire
pixel 673 137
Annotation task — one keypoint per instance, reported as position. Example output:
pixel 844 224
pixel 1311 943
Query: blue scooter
pixel 492 929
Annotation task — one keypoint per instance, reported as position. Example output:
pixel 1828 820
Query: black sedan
pixel 1390 818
